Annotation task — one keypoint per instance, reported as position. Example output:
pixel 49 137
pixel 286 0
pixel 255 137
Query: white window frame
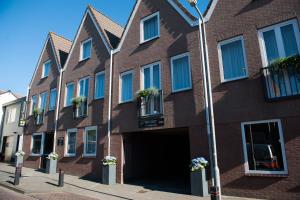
pixel 279 41
pixel 43 71
pixel 151 74
pixel 84 141
pixel 190 71
pixel 246 165
pixel 42 144
pixel 221 66
pixel 98 74
pixel 121 83
pixel 66 92
pixel 31 104
pixel 142 39
pixel 9 119
pixel 54 89
pixel 66 154
pixel 81 49
pixel 78 86
pixel 40 100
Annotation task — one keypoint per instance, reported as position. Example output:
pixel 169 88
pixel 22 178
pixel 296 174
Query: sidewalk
pixel 33 182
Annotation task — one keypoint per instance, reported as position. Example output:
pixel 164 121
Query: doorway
pixel 48 148
pixel 158 160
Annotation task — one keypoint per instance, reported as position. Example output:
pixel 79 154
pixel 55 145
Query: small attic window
pixel 46 69
pixel 86 49
pixel 149 27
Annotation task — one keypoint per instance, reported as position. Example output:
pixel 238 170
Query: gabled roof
pixel 9 91
pixel 109 31
pixel 60 46
pixel 182 11
pixel 209 10
pixel 107 27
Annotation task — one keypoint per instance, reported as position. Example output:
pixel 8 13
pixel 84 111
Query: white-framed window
pixel 86 49
pixel 181 72
pixel 11 115
pixel 151 76
pixel 264 149
pixel 150 27
pixel 232 59
pixel 46 68
pixel 43 100
pixel 53 96
pixel 69 94
pixel 99 85
pixel 37 144
pixel 71 141
pixel 90 141
pixel 126 87
pixel 83 87
pixel 33 103
pixel 279 41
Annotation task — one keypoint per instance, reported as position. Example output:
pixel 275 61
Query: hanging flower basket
pixel 147 93
pixel 36 112
pixel 77 101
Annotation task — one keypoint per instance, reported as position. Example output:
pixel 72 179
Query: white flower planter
pixel 199 186
pixel 109 174
pixel 51 166
pixel 19 161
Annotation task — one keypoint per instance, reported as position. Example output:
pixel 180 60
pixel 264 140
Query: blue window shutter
pixel 100 84
pixel 126 87
pixel 151 28
pixel 233 60
pixel 181 74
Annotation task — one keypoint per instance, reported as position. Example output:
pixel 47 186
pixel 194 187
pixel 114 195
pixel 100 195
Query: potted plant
pixel 109 170
pixel 146 93
pixel 199 186
pixel 291 63
pixel 51 163
pixel 36 112
pixel 19 157
pixel 77 102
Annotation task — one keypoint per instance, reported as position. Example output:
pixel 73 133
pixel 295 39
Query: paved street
pixel 6 194
pixel 38 185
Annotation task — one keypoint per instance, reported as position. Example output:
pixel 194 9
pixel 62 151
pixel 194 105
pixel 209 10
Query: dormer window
pixel 149 27
pixel 86 49
pixel 46 69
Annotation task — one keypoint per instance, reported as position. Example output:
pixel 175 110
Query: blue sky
pixel 26 23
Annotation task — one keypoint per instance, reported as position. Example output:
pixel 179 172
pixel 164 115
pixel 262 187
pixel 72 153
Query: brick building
pixel 155 138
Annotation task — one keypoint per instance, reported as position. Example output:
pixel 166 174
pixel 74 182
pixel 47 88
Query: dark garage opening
pixel 158 160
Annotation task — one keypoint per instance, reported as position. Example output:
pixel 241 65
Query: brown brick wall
pixel 244 100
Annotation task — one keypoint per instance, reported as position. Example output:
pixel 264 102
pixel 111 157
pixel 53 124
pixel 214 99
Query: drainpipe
pixel 109 102
pixel 57 108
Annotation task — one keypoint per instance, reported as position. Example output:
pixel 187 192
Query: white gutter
pixel 57 108
pixel 109 101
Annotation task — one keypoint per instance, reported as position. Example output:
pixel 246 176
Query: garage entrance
pixel 158 160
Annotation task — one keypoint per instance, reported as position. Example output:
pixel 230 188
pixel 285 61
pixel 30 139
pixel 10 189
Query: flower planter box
pixel 109 174
pixel 19 161
pixel 199 186
pixel 51 166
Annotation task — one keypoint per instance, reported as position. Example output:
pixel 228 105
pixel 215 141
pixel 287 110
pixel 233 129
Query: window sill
pixel 88 156
pixel 126 102
pixel 235 79
pixel 84 59
pixel 35 155
pixel 44 77
pixel 266 175
pixel 148 40
pixel 99 98
pixel 70 156
pixel 182 90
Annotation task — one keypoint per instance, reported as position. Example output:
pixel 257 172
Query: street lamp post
pixel 210 124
